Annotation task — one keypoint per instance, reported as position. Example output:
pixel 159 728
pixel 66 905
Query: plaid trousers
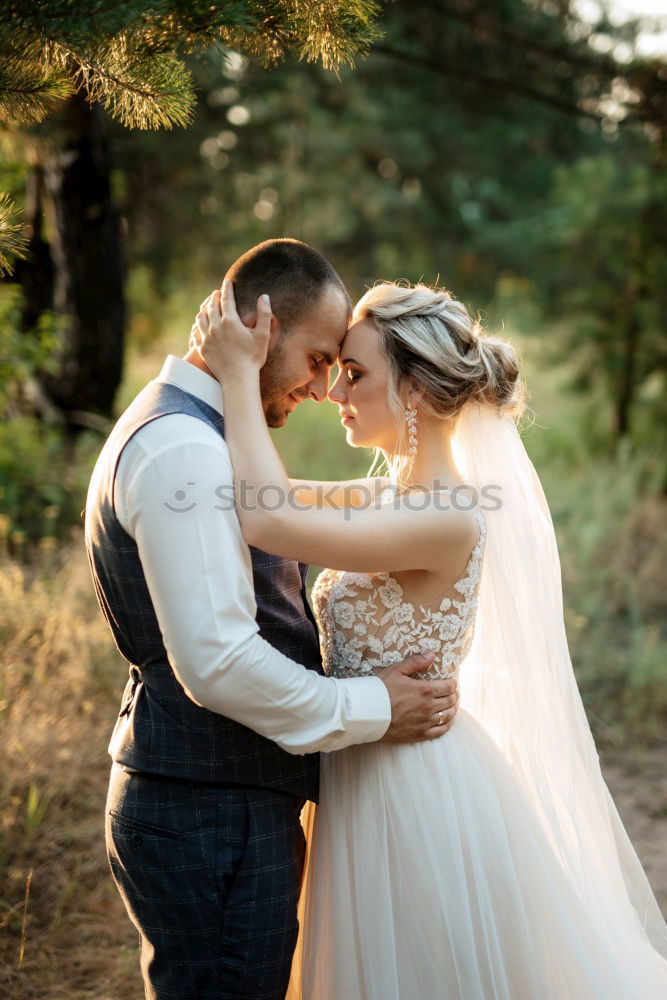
pixel 210 877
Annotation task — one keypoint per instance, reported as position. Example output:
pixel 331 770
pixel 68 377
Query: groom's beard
pixel 273 388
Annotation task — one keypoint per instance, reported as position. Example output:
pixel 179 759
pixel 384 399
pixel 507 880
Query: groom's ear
pixel 274 336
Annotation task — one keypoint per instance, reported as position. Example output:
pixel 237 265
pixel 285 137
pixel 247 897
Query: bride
pixel 490 864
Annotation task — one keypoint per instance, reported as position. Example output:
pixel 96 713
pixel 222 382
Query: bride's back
pixel 369 621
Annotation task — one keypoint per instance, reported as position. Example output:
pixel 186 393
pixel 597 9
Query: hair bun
pixel 430 336
pixel 502 387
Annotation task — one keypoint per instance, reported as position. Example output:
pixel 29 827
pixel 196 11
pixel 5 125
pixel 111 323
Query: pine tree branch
pixel 11 241
pixel 142 89
pixel 331 30
pixel 29 89
pixel 124 54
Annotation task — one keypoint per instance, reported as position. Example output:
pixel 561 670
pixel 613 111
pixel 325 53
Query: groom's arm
pixel 198 571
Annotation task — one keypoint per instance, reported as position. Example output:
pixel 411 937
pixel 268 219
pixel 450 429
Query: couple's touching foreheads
pixel 393 795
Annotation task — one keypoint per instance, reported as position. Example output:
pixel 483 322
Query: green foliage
pixel 314 446
pixel 419 166
pixel 30 88
pixel 331 31
pixel 43 481
pixel 21 354
pixel 125 54
pixel 603 241
pixel 43 477
pixel 611 522
pixel 129 56
pixel 406 168
pixel 141 87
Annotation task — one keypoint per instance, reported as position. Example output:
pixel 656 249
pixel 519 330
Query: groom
pixel 216 745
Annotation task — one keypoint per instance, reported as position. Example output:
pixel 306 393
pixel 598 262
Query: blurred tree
pixel 608 277
pixel 432 157
pixel 128 58
pixel 443 154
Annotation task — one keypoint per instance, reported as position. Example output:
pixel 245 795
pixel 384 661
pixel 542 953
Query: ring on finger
pixel 440 719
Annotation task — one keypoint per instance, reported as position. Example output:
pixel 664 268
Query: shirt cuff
pixel 368 710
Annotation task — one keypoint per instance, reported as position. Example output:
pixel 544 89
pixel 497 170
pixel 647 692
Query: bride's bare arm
pixel 413 532
pixel 339 493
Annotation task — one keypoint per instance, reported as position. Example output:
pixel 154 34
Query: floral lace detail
pixel 366 623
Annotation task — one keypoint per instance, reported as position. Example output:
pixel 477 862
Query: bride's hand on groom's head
pixel 193 340
pixel 224 342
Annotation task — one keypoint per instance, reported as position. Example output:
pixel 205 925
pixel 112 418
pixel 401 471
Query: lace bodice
pixel 365 622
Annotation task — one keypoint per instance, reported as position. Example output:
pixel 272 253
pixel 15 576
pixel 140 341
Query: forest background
pixel 515 152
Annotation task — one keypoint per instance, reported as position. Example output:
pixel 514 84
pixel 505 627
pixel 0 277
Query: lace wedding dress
pixel 429 875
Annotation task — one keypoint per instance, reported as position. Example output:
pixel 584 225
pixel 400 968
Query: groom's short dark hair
pixel 291 272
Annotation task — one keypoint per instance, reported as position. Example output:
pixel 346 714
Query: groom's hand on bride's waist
pixel 420 710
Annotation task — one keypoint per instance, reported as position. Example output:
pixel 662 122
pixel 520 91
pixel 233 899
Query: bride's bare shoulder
pixel 451 515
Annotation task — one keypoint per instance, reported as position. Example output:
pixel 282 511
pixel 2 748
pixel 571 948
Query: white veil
pixel 519 683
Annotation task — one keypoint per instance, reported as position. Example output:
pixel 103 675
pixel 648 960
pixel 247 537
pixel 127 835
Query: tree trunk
pixel 627 384
pixel 35 273
pixel 88 263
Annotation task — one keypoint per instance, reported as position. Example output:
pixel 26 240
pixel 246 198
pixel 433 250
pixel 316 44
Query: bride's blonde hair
pixel 430 337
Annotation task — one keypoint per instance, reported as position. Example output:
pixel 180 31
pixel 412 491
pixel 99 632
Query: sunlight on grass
pixel 61 926
pixel 63 930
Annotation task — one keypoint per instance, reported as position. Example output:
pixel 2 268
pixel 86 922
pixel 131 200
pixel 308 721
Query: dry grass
pixel 68 936
pixel 60 682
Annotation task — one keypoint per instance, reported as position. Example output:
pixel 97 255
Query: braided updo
pixel 429 335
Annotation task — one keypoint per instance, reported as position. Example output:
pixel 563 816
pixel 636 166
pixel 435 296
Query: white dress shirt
pixel 199 575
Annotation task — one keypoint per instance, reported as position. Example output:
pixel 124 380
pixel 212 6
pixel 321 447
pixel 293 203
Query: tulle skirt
pixel 429 876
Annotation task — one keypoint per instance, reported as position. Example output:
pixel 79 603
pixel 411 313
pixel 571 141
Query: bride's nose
pixel 337 391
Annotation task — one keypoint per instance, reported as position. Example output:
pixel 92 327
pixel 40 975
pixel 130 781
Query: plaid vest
pixel 159 729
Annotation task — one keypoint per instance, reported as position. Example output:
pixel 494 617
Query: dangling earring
pixel 411 421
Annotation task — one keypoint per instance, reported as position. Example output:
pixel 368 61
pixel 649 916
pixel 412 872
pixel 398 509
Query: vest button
pixel 137 838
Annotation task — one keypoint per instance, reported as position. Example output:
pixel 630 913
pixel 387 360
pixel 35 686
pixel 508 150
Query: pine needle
pixel 29 88
pixel 125 53
pixel 11 241
pixel 142 88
